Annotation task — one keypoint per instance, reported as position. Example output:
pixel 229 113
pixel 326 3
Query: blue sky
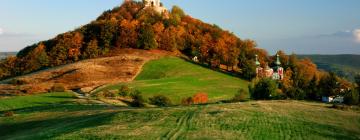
pixel 299 26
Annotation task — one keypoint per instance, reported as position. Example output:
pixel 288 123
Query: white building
pixel 156 5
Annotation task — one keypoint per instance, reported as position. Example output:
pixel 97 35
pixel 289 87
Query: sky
pixel 295 26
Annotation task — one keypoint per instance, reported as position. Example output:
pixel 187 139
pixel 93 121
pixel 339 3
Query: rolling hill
pixel 346 66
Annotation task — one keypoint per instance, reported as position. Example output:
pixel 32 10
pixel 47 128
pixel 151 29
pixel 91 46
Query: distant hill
pixel 345 65
pixel 7 54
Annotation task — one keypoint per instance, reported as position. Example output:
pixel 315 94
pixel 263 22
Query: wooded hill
pixel 132 26
pixel 344 65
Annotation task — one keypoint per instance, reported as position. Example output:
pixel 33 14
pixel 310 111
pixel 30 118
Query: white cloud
pixel 357 35
pixel 1 31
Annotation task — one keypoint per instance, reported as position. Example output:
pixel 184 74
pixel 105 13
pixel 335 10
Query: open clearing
pixel 62 116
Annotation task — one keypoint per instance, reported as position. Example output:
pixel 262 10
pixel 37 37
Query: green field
pixel 63 116
pixel 73 118
pixel 178 79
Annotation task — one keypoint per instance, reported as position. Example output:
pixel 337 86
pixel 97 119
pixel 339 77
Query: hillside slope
pixel 64 117
pixel 344 65
pixel 178 79
pixel 85 75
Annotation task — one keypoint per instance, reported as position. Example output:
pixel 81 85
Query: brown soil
pixel 122 65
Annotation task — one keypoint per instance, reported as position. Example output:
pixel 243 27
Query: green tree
pixel 352 97
pixel 160 100
pixel 91 50
pixel 248 70
pixel 312 92
pixel 138 99
pixel 177 12
pixel 263 89
pixel 147 38
pixel 329 85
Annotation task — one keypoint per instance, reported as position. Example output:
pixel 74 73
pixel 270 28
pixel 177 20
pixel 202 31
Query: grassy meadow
pixel 64 116
pixel 73 118
pixel 177 79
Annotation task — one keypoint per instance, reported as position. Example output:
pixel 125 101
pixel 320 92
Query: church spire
pixel 257 60
pixel 278 63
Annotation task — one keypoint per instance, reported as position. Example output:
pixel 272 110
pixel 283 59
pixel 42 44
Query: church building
pixel 276 73
pixel 156 5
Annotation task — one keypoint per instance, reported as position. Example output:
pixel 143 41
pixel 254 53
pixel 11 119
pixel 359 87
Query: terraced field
pixel 73 118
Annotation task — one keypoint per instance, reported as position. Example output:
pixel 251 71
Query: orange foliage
pixel 200 98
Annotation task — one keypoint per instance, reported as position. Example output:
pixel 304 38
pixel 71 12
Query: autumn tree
pixel 147 38
pixel 91 50
pixel 127 34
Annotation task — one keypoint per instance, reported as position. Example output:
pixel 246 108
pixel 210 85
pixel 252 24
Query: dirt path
pixel 183 125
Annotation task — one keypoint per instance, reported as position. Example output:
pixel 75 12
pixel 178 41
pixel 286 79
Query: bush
pixel 351 97
pixel 187 101
pixel 263 89
pixel 8 113
pixel 57 88
pixel 108 94
pixel 160 100
pixel 124 91
pixel 200 98
pixel 138 99
pixel 296 93
pixel 279 95
pixel 241 96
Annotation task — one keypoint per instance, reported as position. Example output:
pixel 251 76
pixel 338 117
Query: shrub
pixel 138 99
pixel 8 113
pixel 108 94
pixel 124 91
pixel 160 100
pixel 296 93
pixel 279 95
pixel 351 97
pixel 57 88
pixel 200 98
pixel 187 101
pixel 263 89
pixel 241 96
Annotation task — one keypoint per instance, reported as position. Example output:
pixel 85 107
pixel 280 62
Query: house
pixel 195 59
pixel 327 99
pixel 333 99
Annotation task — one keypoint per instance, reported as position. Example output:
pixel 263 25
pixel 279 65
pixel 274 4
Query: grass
pixel 63 116
pixel 35 100
pixel 177 79
pixel 249 120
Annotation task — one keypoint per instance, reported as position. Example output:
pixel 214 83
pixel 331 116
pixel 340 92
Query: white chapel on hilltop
pixel 156 5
